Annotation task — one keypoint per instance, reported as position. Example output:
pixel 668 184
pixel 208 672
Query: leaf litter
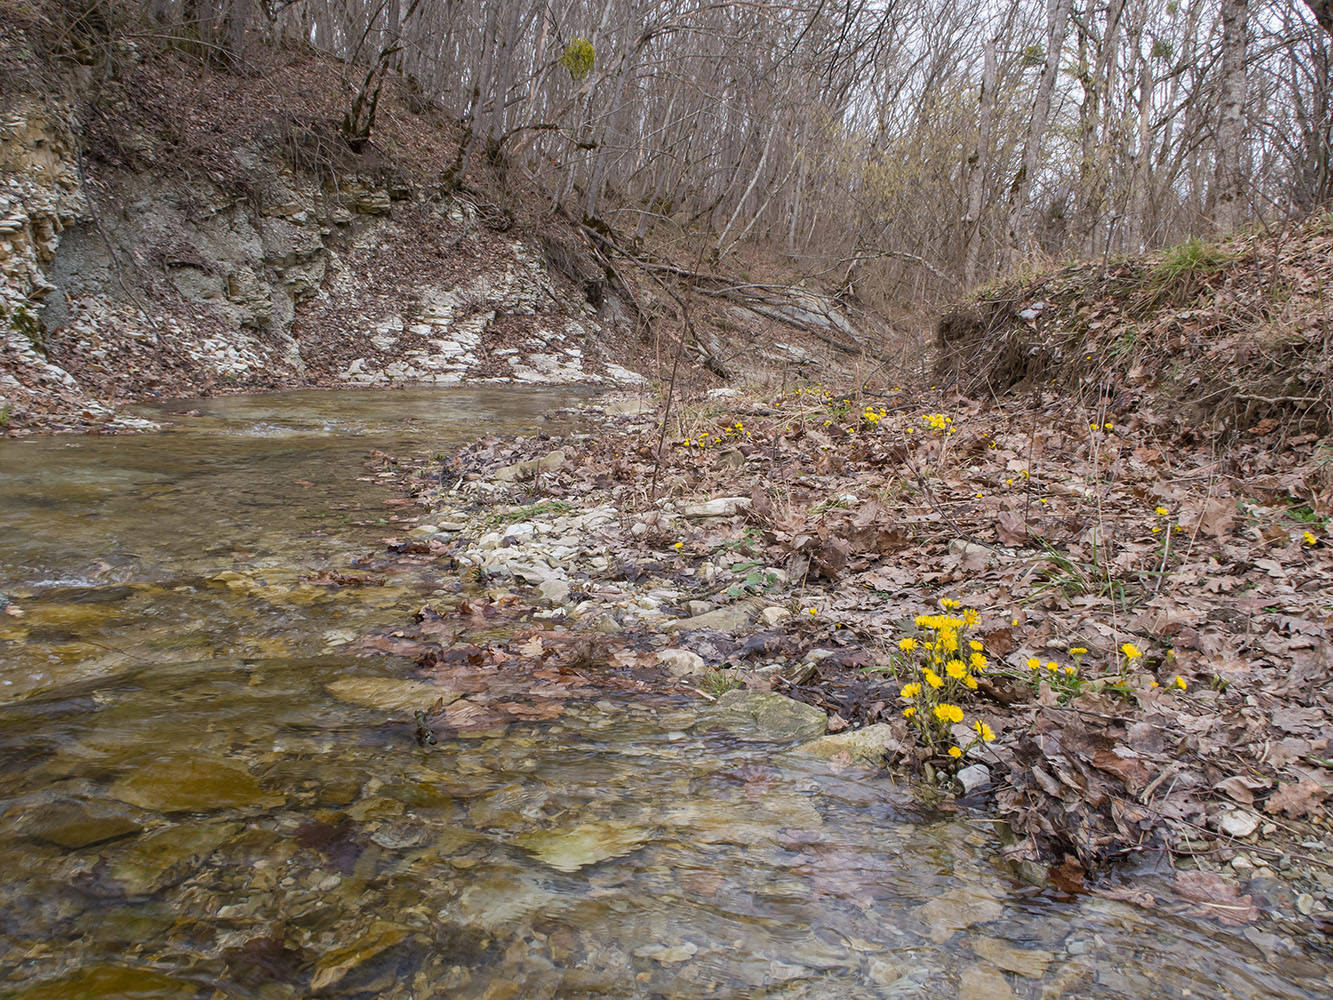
pixel 1066 528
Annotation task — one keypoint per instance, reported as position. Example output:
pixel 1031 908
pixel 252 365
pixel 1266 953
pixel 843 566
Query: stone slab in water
pixel 389 694
pixel 101 981
pixel 193 784
pixel 764 715
pixel 587 844
pixel 73 824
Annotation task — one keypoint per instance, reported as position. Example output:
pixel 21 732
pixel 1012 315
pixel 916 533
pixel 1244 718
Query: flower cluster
pixel 944 664
pixel 708 439
pixel 937 422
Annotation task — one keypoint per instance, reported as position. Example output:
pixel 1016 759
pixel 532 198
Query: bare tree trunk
pixel 1021 189
pixel 1230 205
pixel 976 181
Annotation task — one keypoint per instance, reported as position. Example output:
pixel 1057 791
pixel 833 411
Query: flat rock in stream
pixel 166 857
pixel 193 784
pixel 109 981
pixel 73 823
pixel 334 966
pixel 389 694
pixel 870 745
pixel 764 715
pixel 570 849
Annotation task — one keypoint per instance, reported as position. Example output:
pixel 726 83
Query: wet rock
pixel 1003 955
pixel 166 857
pixel 982 982
pixel 568 850
pixel 333 967
pixel 192 784
pixel 109 981
pixel 870 745
pixel 681 662
pixel 721 507
pixel 71 823
pixel 767 716
pixel 667 955
pixel 389 694
pixel 957 910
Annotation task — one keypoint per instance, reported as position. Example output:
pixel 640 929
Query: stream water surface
pixel 187 810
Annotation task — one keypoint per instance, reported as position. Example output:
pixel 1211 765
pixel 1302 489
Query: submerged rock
pixel 193 784
pixel 767 716
pixel 1003 955
pixel 163 858
pixel 586 844
pixel 333 967
pixel 72 823
pixel 109 981
pixel 389 694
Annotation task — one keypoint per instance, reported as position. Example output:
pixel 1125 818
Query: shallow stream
pixel 188 811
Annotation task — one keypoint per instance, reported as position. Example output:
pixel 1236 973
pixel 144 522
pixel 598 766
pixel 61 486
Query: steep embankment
pixel 1232 335
pixel 170 229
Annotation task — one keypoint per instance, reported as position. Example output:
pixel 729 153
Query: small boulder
pixel 681 662
pixel 870 745
pixel 764 715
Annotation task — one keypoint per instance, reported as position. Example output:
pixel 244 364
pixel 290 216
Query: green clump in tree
pixel 578 58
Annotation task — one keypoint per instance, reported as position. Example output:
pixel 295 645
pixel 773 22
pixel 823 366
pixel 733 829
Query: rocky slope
pixel 129 270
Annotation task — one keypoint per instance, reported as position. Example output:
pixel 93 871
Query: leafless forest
pixel 919 141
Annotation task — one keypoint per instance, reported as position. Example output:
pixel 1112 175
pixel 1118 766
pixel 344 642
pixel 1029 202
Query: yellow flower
pixel 1131 651
pixel 973 645
pixel 956 669
pixel 978 661
pixel 812 611
pixel 1162 512
pixel 948 603
pixel 1071 671
pixel 984 731
pixel 910 690
pixel 955 752
pixel 932 678
pixel 1310 538
pixel 907 645
pixel 1079 651
pixel 970 682
pixel 1108 425
pixel 1180 682
pixel 688 442
pixel 909 711
pixel 948 713
pixel 970 619
pixel 1034 663
pixel 678 546
pixel 1052 666
pixel 949 640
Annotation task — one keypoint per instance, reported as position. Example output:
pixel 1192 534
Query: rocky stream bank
pixel 794 544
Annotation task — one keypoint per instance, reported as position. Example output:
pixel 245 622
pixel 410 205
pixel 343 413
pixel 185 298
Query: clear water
pixel 188 811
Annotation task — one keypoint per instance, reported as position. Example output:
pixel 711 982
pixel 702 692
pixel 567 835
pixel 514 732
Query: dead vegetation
pixel 1232 335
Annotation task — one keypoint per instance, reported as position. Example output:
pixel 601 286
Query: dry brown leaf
pixel 1296 799
pixel 1241 788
